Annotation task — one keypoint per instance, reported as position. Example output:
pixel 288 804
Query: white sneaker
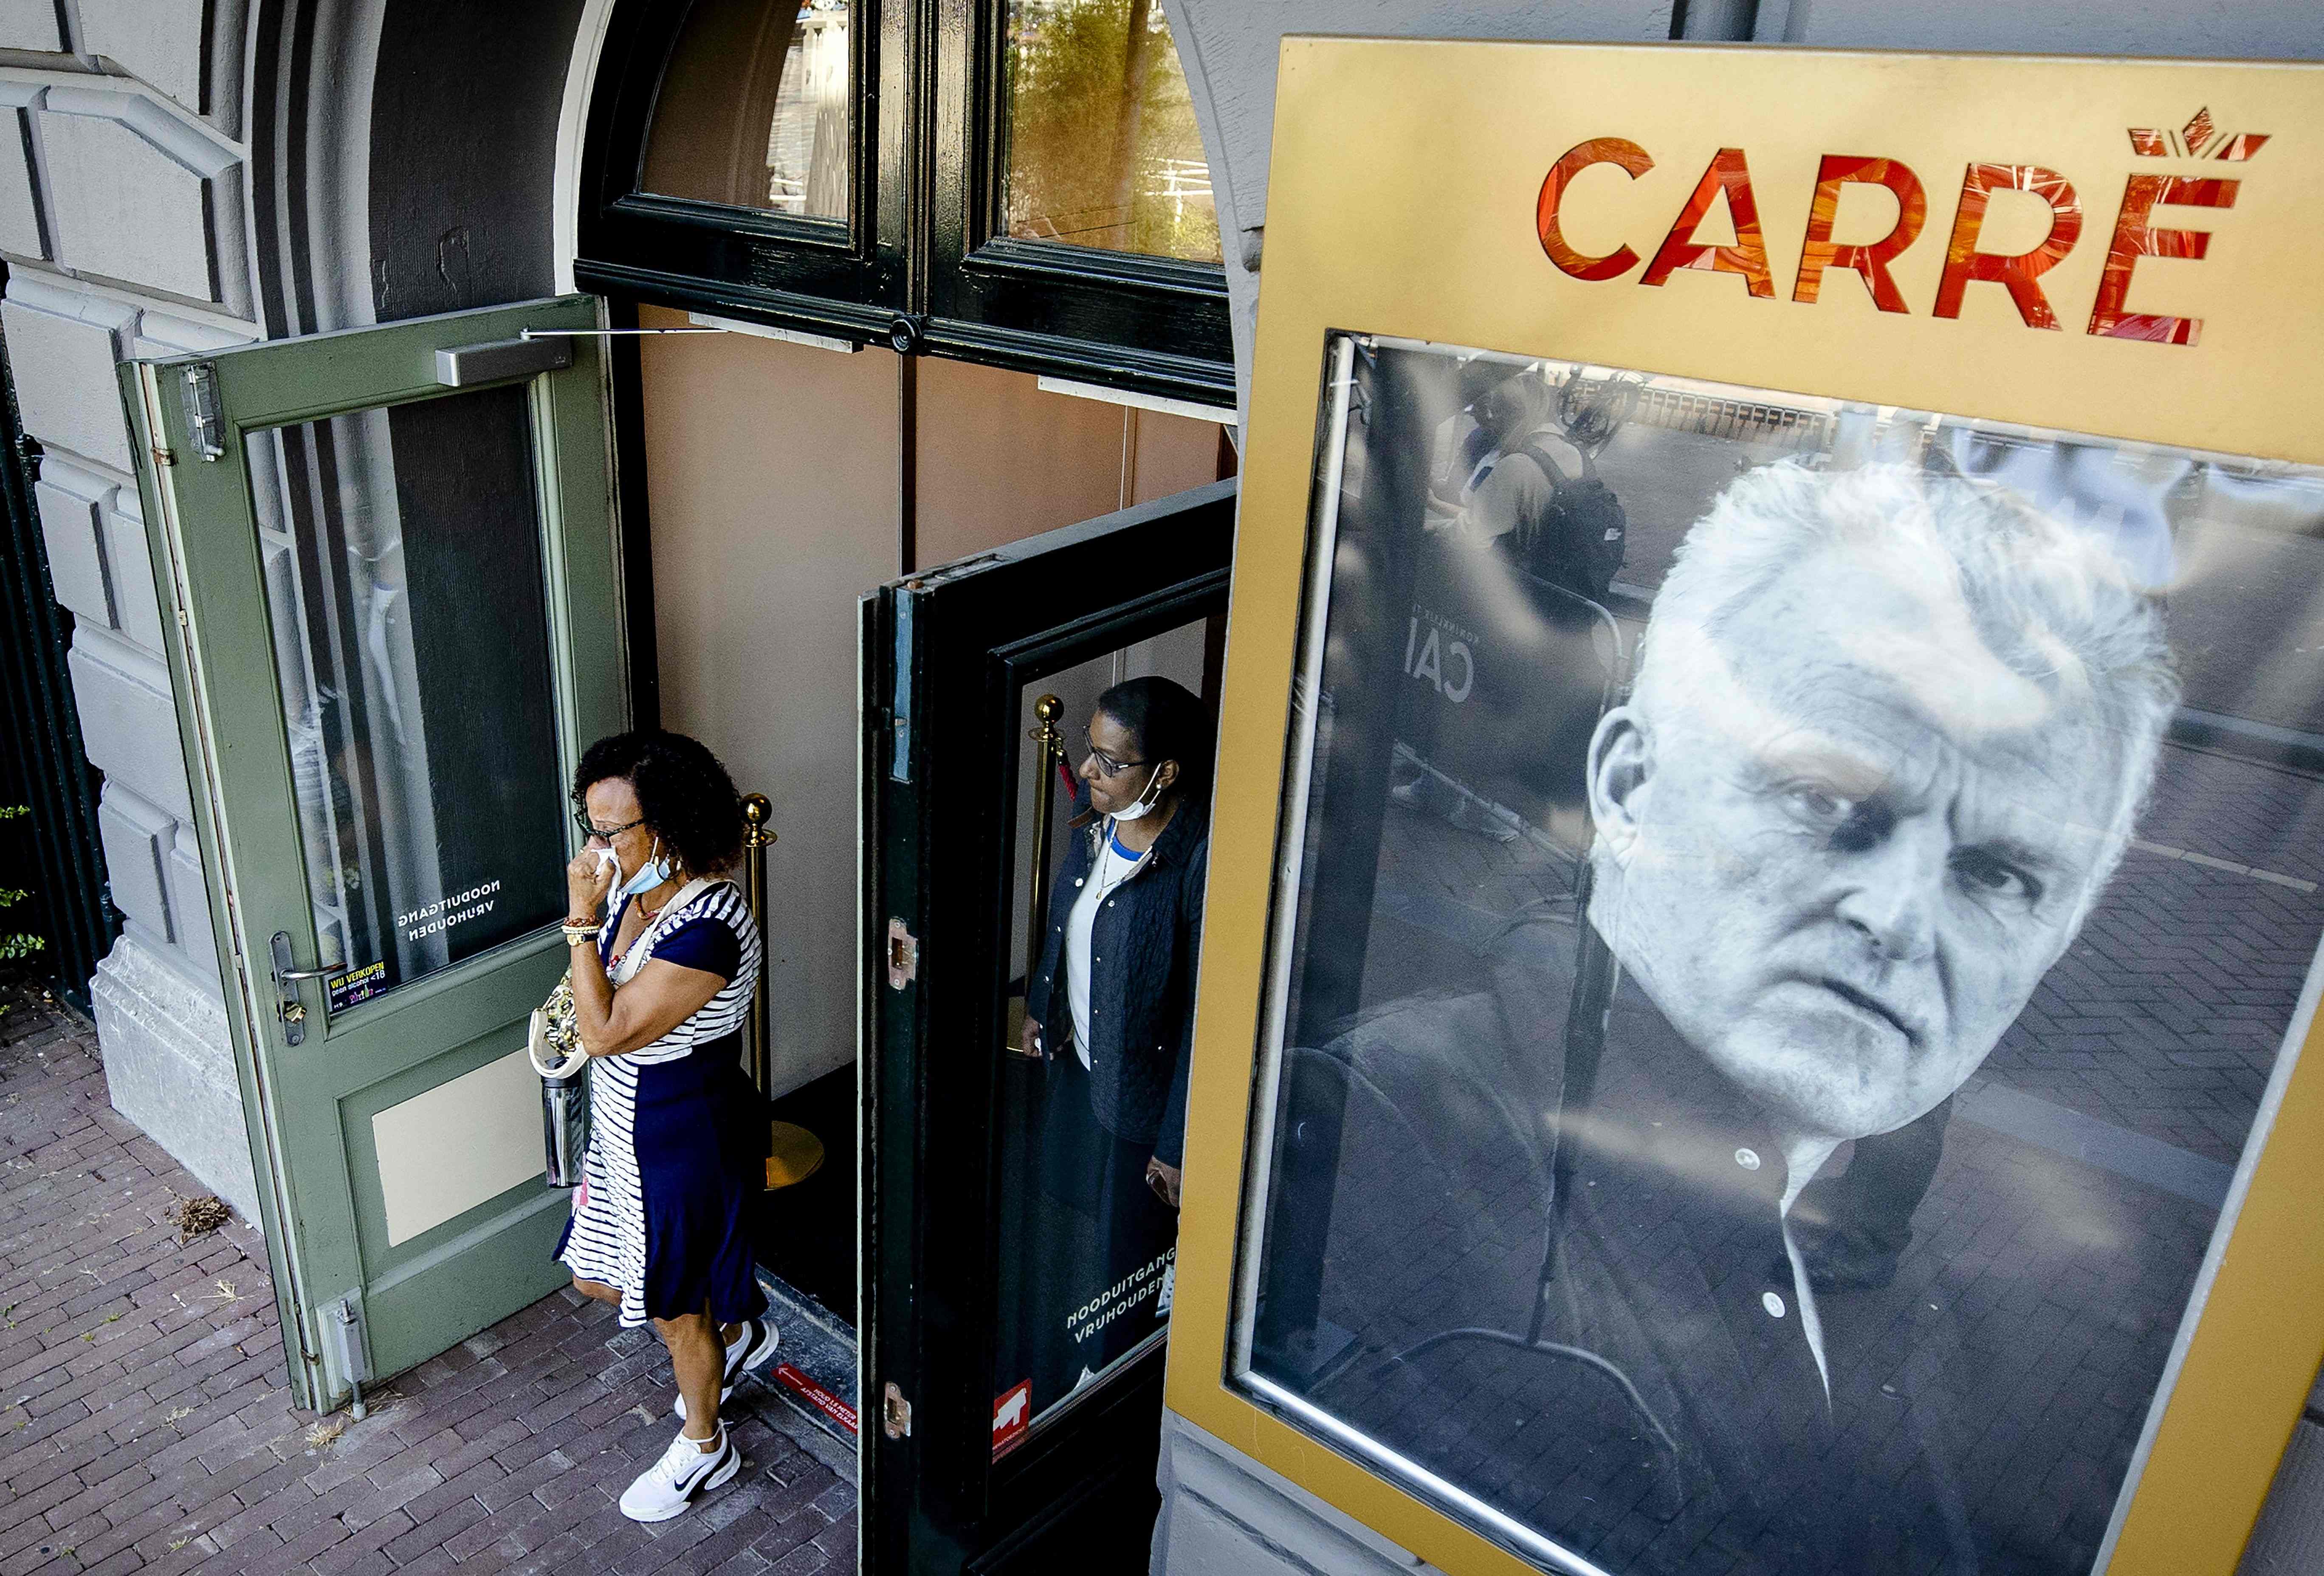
pixel 667 1487
pixel 748 1353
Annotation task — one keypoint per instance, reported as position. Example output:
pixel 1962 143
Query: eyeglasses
pixel 589 829
pixel 1107 764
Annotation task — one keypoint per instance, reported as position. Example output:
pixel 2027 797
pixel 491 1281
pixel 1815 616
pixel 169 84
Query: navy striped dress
pixel 677 1138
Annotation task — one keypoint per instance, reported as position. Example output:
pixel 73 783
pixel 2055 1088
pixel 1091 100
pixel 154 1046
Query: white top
pixel 1115 865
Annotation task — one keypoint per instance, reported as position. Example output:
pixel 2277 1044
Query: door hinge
pixel 895 1413
pixel 903 955
pixel 205 420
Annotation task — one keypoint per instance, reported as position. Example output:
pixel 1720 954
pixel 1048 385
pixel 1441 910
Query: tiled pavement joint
pixel 145 1421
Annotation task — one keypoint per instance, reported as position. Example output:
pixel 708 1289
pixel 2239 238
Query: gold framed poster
pixel 1755 986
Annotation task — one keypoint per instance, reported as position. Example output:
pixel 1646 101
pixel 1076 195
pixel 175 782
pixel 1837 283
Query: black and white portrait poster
pixel 1794 910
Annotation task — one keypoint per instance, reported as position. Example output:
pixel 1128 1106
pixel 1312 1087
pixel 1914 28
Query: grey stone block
pixel 160 42
pixel 137 838
pixel 63 343
pixel 23 222
pixel 142 197
pixel 161 335
pixel 128 721
pixel 189 902
pixel 31 24
pixel 72 505
pixel 136 611
pixel 169 1065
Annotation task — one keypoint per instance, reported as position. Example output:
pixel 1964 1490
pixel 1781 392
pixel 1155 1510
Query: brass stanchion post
pixel 793 1153
pixel 1051 741
pixel 756 838
pixel 1050 747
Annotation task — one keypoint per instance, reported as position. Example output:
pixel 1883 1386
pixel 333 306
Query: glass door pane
pixel 960 1217
pixel 409 606
pixel 1087 1251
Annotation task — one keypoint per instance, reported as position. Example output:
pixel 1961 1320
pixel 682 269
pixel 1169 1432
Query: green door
pixel 391 558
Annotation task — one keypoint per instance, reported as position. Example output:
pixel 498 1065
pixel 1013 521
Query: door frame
pixel 588 677
pixel 941 855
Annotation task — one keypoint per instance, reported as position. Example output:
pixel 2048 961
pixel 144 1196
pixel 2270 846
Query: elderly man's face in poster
pixel 1846 861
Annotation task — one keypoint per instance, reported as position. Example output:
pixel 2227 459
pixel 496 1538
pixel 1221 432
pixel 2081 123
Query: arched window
pixel 756 109
pixel 1019 182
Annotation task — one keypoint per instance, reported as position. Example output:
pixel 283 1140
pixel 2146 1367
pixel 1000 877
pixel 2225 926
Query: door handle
pixel 287 1005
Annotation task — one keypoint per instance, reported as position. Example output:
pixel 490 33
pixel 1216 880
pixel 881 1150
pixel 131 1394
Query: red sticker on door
pixel 1011 1412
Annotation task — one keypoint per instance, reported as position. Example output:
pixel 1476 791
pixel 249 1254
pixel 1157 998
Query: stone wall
pixel 123 199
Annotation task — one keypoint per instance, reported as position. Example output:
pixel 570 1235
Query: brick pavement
pixel 145 1422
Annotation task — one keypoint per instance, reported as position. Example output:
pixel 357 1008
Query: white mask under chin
pixel 1148 799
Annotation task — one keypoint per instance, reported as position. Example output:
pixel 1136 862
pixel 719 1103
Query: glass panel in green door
pixel 399 624
pixel 410 625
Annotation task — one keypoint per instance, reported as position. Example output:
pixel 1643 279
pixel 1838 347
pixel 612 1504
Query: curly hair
pixel 684 793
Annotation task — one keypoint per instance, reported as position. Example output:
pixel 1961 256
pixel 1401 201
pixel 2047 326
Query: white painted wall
pixel 2268 30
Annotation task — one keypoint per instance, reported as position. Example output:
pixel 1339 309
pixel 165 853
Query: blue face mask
pixel 655 870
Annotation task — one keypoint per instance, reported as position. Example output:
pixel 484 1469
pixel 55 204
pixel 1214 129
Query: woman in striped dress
pixel 662 977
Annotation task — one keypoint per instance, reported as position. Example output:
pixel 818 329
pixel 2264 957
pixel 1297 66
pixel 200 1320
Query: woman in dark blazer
pixel 1110 1005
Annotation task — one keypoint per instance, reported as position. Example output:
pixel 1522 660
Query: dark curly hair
pixel 683 791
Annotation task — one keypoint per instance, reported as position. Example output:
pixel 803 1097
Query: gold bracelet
pixel 571 939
